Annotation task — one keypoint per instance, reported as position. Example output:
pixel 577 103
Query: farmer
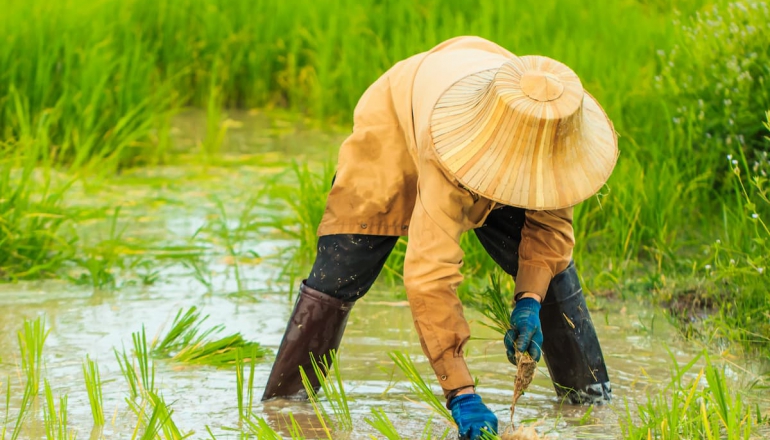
pixel 464 136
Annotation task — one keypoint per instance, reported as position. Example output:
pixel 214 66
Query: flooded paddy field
pixel 83 323
pixel 192 236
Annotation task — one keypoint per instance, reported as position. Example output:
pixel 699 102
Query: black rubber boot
pixel 571 348
pixel 316 326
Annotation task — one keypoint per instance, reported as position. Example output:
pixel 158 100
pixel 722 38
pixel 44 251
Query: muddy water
pixel 86 323
pixel 166 207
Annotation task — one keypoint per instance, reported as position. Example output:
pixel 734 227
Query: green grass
pixel 688 409
pixel 420 387
pixel 143 354
pixel 245 406
pixel 380 421
pixel 88 90
pixel 56 421
pixel 33 220
pixel 94 388
pixel 685 83
pixel 188 343
pixel 330 380
pixel 129 373
pixel 31 341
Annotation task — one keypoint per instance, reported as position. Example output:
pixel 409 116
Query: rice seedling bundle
pixel 187 343
pixel 525 372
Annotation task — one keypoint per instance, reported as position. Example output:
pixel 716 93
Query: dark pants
pixel 347 264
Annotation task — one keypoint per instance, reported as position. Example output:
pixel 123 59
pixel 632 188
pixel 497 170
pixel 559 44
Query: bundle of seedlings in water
pixel 496 308
pixel 525 372
pixel 187 343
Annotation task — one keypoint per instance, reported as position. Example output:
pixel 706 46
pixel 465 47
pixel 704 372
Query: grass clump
pixel 128 372
pixel 55 421
pixel 380 421
pixel 330 380
pixel 186 342
pixel 146 366
pixel 691 410
pixel 31 341
pixel 302 192
pixel 420 387
pixel 33 218
pixel 245 406
pixel 493 304
pixel 94 389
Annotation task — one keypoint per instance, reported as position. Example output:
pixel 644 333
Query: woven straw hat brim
pixel 523 153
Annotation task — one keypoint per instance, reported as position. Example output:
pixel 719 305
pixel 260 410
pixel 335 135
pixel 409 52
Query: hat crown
pixel 525 134
pixel 541 86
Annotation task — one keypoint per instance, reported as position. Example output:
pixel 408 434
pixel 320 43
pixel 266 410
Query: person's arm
pixel 432 275
pixel 547 240
pixel 545 250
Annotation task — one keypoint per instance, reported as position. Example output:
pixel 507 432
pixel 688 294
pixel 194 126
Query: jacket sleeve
pixel 547 240
pixel 432 275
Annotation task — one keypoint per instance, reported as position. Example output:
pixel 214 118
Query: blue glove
pixel 525 330
pixel 472 416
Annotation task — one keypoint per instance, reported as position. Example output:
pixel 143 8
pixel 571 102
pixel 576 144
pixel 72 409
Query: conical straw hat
pixel 525 135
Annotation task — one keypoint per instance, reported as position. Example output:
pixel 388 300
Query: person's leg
pixel 347 265
pixel 345 268
pixel 568 332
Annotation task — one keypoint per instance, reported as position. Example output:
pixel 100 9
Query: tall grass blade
pixel 56 422
pixel 31 341
pixel 419 386
pixel 94 388
pixel 146 367
pixel 330 380
pixel 383 425
pixel 128 372
pixel 25 402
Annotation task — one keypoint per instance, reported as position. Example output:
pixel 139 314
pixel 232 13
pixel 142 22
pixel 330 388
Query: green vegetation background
pixel 92 87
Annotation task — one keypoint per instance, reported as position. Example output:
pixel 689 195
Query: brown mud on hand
pixel 525 372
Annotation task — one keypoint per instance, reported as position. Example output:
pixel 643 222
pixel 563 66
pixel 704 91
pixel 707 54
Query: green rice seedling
pixel 691 410
pixel 26 400
pixel 159 425
pixel 230 241
pixel 295 431
pixel 32 214
pixel 7 408
pixel 186 342
pixel 102 260
pixel 330 381
pixel 201 272
pixel 31 341
pixel 242 413
pixel 216 129
pixel 128 372
pixel 261 429
pixel 152 427
pixel 146 366
pixel 56 422
pixel 232 233
pixel 168 427
pixel 382 424
pixel 419 386
pixel 245 408
pixel 94 388
pixel 427 432
pixel 493 304
pixel 305 199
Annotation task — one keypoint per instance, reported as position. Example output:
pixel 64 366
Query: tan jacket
pixel 389 182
